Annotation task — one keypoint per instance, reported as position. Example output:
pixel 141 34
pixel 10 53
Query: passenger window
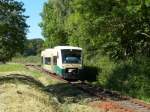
pixel 48 61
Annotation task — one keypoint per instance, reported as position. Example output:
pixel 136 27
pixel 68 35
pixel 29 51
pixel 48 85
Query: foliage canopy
pixel 33 47
pixel 12 28
pixel 120 29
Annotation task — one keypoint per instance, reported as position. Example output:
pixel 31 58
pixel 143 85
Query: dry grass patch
pixel 23 98
pixel 79 108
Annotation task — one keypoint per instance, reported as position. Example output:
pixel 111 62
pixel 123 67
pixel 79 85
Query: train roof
pixel 67 47
pixel 48 52
pixel 53 51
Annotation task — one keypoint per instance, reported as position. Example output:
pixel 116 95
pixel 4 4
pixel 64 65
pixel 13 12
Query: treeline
pixel 33 47
pixel 115 36
pixel 13 29
pixel 31 52
pixel 120 29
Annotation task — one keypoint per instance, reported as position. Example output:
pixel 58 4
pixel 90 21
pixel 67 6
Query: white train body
pixel 65 61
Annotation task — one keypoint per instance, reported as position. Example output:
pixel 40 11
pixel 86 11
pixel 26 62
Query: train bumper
pixel 72 73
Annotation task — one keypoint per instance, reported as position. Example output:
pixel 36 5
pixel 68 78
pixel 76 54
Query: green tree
pixel 118 28
pixel 33 47
pixel 129 29
pixel 13 29
pixel 53 16
pixel 84 23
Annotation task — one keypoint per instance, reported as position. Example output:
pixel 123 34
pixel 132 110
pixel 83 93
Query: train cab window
pixel 48 61
pixel 71 56
pixel 55 60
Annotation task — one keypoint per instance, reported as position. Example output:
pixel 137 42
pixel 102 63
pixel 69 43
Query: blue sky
pixel 33 10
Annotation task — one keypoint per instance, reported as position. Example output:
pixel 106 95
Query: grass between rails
pixel 37 92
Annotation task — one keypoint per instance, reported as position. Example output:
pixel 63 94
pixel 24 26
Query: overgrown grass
pixel 21 97
pixel 27 59
pixel 22 92
pixel 130 77
pixel 12 68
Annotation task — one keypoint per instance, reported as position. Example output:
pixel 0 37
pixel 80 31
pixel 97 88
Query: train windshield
pixel 71 56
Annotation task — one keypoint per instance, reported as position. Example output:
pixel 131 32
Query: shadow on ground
pixel 18 78
pixel 63 92
pixel 89 73
pixel 20 93
pixel 68 94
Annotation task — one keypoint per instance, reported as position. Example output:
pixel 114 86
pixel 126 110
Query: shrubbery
pixel 130 77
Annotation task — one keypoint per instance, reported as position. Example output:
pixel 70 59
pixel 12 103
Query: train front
pixel 71 62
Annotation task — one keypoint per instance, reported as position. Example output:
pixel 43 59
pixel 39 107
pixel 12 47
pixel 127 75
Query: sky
pixel 33 10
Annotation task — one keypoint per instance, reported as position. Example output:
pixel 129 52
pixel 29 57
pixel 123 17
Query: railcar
pixel 65 61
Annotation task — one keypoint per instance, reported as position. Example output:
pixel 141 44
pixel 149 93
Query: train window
pixel 71 56
pixel 55 60
pixel 47 60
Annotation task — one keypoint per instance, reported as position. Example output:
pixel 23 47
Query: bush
pixel 103 67
pixel 130 77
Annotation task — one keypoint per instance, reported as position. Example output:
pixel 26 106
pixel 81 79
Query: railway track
pixel 110 101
